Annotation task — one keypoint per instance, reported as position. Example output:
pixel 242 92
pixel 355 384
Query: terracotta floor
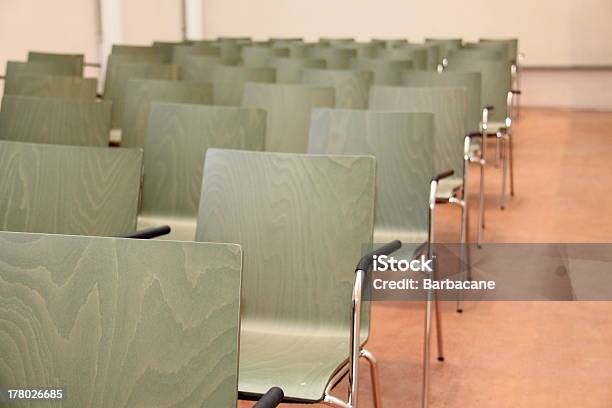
pixel 517 354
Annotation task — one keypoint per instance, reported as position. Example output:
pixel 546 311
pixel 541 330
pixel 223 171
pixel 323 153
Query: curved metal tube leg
pixel 504 173
pixel 426 351
pixel 481 205
pixel 511 161
pixel 497 151
pixel 374 375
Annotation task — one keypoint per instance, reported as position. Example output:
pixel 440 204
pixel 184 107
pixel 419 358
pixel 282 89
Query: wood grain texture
pixel 351 87
pixel 55 120
pixel 335 58
pixel 14 68
pixel 178 138
pixel 386 72
pixel 139 95
pixel 403 146
pixel 288 112
pixel 288 70
pixel 301 221
pixel 470 81
pixel 68 189
pixel 120 322
pixel 259 56
pixel 448 106
pixel 77 60
pixel 496 82
pixel 118 73
pixel 52 86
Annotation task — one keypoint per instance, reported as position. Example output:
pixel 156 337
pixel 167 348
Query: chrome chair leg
pixel 511 161
pixel 374 375
pixel 481 205
pixel 504 173
pixel 426 351
pixel 497 150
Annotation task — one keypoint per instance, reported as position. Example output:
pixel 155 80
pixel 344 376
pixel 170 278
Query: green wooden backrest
pixel 330 41
pixel 403 146
pixel 502 47
pixel 166 49
pixel 302 221
pixel 386 72
pixel 76 60
pixel 55 120
pixel 137 50
pixel 15 68
pixel 180 52
pixel 229 49
pixel 351 86
pixel 296 49
pixel 390 43
pixel 289 70
pixel 229 81
pixel 445 44
pixel 139 95
pixel 362 50
pixel 288 109
pixel 54 86
pixel 470 81
pixel 120 322
pixel 448 106
pixel 120 72
pixel 258 56
pixel 512 45
pixel 335 58
pixel 68 189
pixel 418 55
pixel 199 67
pixel 476 53
pixel 177 140
pixel 496 82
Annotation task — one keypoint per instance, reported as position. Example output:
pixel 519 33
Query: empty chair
pixel 288 70
pixel 288 112
pixel 54 86
pixel 180 52
pixel 68 189
pixel 14 68
pixel 121 322
pixel 362 50
pixel 445 44
pixel 166 49
pixel 351 86
pixel 76 60
pixel 136 50
pixel 198 67
pixel 176 145
pixel 259 56
pixel 335 58
pixel 512 50
pixel 139 95
pixel 296 49
pixel 302 221
pixel 417 54
pixel 336 40
pixel 390 43
pixel 120 72
pixel 55 120
pixel 386 72
pixel 476 53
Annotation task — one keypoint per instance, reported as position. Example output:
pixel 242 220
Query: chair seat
pixel 182 229
pixel 301 364
pixel 448 187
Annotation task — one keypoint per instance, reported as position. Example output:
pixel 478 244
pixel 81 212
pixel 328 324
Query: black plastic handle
pixel 148 233
pixel 475 134
pixel 443 175
pixel 515 92
pixel 270 399
pixel 490 107
pixel 366 261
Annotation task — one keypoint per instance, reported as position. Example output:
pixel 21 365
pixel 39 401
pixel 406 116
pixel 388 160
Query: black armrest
pixel 443 175
pixel 148 233
pixel 490 107
pixel 475 134
pixel 366 261
pixel 515 92
pixel 270 399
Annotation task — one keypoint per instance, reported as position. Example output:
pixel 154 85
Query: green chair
pixel 418 56
pixel 136 50
pixel 176 144
pixel 76 60
pixel 288 112
pixel 476 53
pixel 69 189
pixel 199 67
pixel 119 73
pixel 351 86
pixel 497 93
pixel 331 41
pixel 288 70
pixel 390 43
pixel 472 83
pixel 362 50
pixel 296 49
pixel 403 146
pixel 52 86
pixel 335 58
pixel 166 49
pixel 181 52
pixel 120 322
pixel 446 45
pixel 14 69
pixel 141 93
pixel 55 121
pixel 228 49
pixel 303 324
pixel 386 72
pixel 256 56
pixel 515 57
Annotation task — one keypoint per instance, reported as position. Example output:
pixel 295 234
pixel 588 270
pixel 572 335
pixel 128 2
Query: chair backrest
pixel 335 58
pixel 289 70
pixel 229 81
pixel 470 81
pixel 302 221
pixel 139 95
pixel 136 50
pixel 418 55
pixel 390 42
pixel 166 49
pixel 199 67
pixel 258 56
pixel 386 72
pixel 177 140
pixel 118 73
pixel 362 50
pixel 403 146
pixel 448 106
pixel 352 86
pixel 63 121
pixel 69 189
pixel 76 60
pixel 445 44
pixel 511 46
pixel 288 109
pixel 15 68
pixel 181 52
pixel 476 53
pixel 53 86
pixel 496 82
pixel 121 322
